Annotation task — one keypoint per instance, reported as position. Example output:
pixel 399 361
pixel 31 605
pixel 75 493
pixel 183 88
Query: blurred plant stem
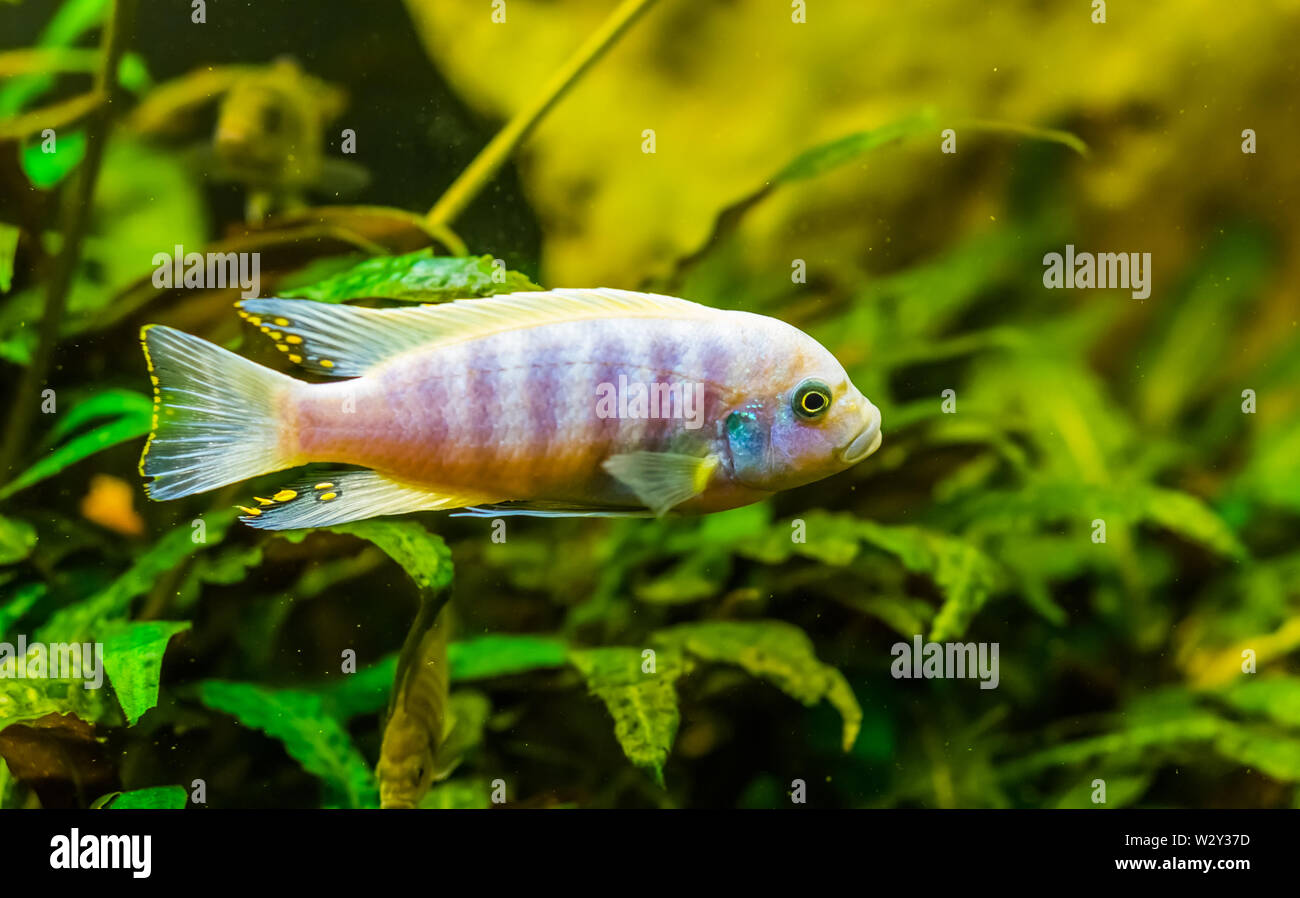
pixel 76 216
pixel 485 165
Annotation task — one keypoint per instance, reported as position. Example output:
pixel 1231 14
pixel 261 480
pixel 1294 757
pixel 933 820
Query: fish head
pixel 407 761
pixel 812 423
pixel 259 127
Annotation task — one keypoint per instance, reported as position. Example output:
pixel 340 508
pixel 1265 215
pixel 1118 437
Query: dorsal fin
pixel 347 341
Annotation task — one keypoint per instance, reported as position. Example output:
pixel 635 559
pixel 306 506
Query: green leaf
pixel 160 798
pixel 130 422
pixel 221 568
pixel 133 654
pixel 133 73
pixel 11 790
pixel 500 654
pixel 1277 698
pixel 1273 754
pixel 1189 517
pixel 73 19
pixel 112 403
pixel 1121 791
pixel 146 199
pixel 1227 277
pixel 1127 745
pixel 480 658
pixel 18 604
pixel 775 651
pixel 23 699
pixel 468 712
pixel 833 154
pixel 966 578
pixel 643 705
pixel 461 794
pixel 44 169
pixel 1271 474
pixel 963 573
pixel 17 539
pixel 904 615
pixel 1046 501
pixel 699 576
pixel 363 692
pixel 311 736
pixel 75 622
pixel 419 276
pixel 423 555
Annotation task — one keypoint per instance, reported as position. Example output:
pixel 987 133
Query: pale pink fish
pixel 563 402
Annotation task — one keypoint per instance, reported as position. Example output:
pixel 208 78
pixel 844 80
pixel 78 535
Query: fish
pixel 505 405
pixel 270 134
pixel 413 753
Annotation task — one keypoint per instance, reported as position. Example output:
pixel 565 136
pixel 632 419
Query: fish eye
pixel 811 399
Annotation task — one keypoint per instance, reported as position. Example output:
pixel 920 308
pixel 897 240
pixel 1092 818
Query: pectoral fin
pixel 662 479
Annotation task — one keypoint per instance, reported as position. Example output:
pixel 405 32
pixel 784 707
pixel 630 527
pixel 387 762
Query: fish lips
pixel 866 442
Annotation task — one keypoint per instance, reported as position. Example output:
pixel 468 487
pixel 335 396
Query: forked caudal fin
pixel 214 416
pixel 216 422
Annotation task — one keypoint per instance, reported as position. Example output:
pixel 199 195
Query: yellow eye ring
pixel 811 399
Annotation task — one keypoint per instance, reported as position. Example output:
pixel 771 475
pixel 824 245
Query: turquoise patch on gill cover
pixel 747 438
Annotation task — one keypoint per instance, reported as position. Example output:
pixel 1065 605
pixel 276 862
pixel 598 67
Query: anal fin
pixel 339 497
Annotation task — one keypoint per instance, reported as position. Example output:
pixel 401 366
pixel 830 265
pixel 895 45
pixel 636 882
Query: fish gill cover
pixel 1052 246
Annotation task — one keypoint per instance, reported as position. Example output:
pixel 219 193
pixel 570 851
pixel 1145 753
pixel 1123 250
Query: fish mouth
pixel 866 442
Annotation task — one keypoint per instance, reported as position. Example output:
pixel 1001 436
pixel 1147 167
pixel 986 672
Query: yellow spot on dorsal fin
pixel 294 339
pixel 282 322
pixel 261 501
pixel 246 510
pixel 284 496
pixel 325 497
pixel 322 486
pixel 255 321
pixel 326 363
pixel 296 359
pixel 277 336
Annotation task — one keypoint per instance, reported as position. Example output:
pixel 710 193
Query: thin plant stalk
pixel 485 165
pixel 76 218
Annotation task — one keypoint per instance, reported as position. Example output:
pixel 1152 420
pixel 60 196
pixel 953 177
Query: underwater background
pixel 1104 485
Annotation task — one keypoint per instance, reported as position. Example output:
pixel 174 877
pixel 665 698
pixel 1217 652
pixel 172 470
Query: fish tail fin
pixel 214 416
